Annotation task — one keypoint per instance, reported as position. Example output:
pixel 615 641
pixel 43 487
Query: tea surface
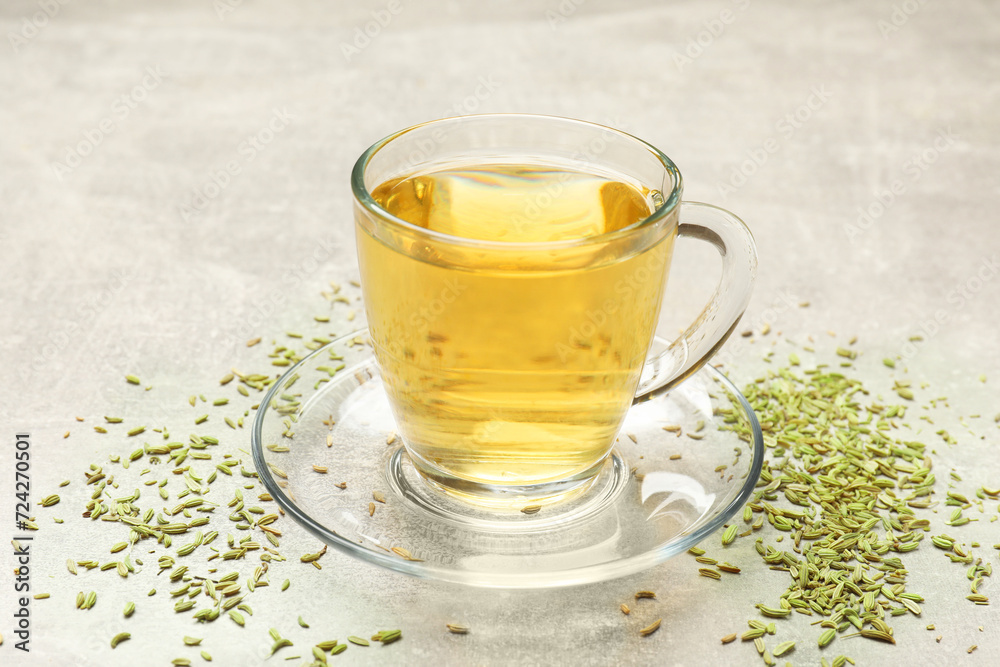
pixel 514 203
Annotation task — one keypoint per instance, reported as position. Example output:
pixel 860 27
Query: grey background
pixel 104 274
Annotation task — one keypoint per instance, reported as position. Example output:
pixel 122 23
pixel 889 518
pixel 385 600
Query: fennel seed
pixel 651 628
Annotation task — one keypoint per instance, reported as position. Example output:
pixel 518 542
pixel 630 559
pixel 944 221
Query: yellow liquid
pixel 511 373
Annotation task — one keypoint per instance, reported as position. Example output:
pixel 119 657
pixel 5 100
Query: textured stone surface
pixel 796 115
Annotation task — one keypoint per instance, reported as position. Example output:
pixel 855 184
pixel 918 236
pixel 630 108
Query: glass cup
pixel 511 352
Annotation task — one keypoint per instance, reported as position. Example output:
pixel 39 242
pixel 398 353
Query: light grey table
pixel 174 179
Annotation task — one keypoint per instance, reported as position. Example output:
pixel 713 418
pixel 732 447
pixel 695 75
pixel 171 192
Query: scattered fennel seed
pixel 651 628
pixel 783 648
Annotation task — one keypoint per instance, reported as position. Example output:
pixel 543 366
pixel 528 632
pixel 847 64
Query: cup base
pixel 504 512
pixel 524 498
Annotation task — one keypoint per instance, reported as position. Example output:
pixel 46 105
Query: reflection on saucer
pixel 679 489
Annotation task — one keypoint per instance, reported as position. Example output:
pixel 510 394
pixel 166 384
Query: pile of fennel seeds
pixel 192 510
pixel 847 492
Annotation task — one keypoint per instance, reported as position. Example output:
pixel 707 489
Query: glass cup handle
pixel 709 331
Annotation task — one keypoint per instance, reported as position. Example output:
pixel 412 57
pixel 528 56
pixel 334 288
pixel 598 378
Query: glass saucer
pixel 661 492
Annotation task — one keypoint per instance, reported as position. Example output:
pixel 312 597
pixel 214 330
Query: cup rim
pixel 364 197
